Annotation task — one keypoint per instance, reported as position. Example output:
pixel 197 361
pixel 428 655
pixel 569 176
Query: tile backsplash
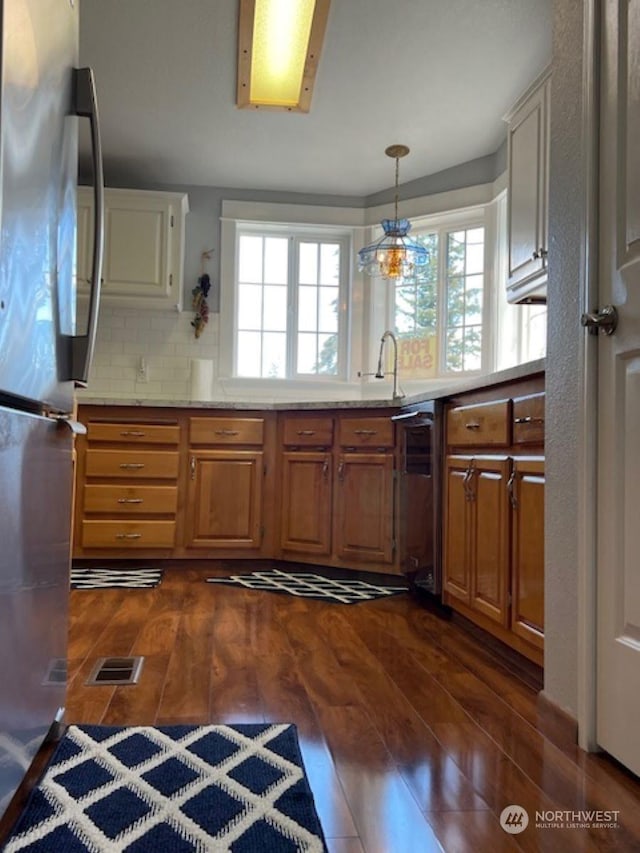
pixel 165 341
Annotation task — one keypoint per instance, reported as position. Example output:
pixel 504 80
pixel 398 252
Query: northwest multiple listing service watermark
pixel 515 819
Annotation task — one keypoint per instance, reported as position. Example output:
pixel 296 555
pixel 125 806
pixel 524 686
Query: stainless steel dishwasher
pixel 420 475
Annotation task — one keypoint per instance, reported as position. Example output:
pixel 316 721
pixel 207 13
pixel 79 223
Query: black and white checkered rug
pixel 306 585
pixel 107 578
pixel 184 789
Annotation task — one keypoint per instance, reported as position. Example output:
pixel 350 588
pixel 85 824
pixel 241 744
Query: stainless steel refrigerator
pixel 42 358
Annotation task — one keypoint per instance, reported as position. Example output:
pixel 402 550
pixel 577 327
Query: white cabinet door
pixel 528 142
pixel 144 246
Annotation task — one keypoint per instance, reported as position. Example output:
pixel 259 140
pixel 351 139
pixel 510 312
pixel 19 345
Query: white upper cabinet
pixel 528 145
pixel 143 249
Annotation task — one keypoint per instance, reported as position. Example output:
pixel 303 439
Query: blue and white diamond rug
pixel 172 789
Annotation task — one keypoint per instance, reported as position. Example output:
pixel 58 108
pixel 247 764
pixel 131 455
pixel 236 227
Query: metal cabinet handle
pixel 130 500
pixel 132 466
pixel 227 432
pixel 467 485
pixel 325 468
pixel 528 420
pixel 472 425
pixel 341 470
pixel 511 489
pixel 366 431
pixel 306 432
pixel 192 467
pixel 605 320
pixel 133 433
pixel 540 254
pixel 128 535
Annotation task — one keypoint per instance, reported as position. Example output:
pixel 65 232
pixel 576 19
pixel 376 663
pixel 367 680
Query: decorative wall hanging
pixel 199 301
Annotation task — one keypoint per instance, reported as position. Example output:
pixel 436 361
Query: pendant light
pixel 394 255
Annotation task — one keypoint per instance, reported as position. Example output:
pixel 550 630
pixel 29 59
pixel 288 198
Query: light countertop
pixel 520 371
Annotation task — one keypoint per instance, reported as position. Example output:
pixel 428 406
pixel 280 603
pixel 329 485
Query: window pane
pixel 455 302
pixel 275 309
pixel 475 235
pixel 276 260
pixel 455 349
pixel 307 353
pixel 328 355
pixel 249 355
pixel 328 309
pixel 308 309
pixel 329 263
pixel 250 260
pixel 249 306
pixel 308 271
pixel 274 355
pixel 473 300
pixel 472 349
pixel 475 258
pixel 455 256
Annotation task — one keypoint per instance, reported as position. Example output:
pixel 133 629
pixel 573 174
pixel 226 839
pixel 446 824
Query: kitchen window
pixel 291 303
pixel 439 312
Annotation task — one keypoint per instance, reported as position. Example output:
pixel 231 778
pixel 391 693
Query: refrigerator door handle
pixel 81 346
pixel 75 426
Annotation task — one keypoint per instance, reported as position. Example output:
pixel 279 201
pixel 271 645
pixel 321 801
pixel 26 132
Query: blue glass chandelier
pixel 395 255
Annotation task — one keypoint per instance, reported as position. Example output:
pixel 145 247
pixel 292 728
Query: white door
pixel 618 617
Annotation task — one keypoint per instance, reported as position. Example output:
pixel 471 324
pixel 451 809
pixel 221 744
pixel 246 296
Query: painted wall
pixel 565 356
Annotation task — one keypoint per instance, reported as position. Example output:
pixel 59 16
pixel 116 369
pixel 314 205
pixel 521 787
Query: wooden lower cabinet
pixel 527 562
pixel 224 504
pixel 477 533
pixel 364 507
pixel 307 485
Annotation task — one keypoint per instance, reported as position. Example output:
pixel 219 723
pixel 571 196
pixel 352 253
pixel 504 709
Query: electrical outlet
pixel 142 373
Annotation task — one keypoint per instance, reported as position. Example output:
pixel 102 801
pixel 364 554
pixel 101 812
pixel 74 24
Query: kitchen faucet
pixel 380 373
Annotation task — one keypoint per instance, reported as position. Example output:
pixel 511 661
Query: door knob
pixel 605 320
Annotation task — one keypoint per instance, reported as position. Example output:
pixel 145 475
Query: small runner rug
pixel 306 585
pixel 108 578
pixel 175 789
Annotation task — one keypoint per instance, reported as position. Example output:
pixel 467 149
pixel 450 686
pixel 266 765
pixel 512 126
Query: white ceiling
pixel 436 75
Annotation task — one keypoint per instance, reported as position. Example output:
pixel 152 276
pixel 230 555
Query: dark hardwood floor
pixel 414 735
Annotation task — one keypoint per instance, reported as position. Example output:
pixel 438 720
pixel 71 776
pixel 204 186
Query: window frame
pixel 298 233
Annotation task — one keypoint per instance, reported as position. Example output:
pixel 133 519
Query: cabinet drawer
pixel 128 534
pixel 133 433
pixel 132 464
pixel 131 500
pixel 528 419
pixel 306 432
pixel 481 424
pixel 226 430
pixel 366 432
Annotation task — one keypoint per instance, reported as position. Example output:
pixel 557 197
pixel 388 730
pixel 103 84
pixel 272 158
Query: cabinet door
pixel 364 507
pixel 527 200
pixel 527 583
pixel 306 502
pixel 489 537
pixel 224 508
pixel 457 527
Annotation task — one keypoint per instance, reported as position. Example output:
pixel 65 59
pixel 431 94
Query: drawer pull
pixel 227 432
pixel 130 500
pixel 128 535
pixel 366 431
pixel 133 433
pixel 528 420
pixel 472 425
pixel 132 466
pixel 306 432
pixel 511 490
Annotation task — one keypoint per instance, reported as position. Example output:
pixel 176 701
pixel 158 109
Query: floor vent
pixel 116 671
pixel 56 671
